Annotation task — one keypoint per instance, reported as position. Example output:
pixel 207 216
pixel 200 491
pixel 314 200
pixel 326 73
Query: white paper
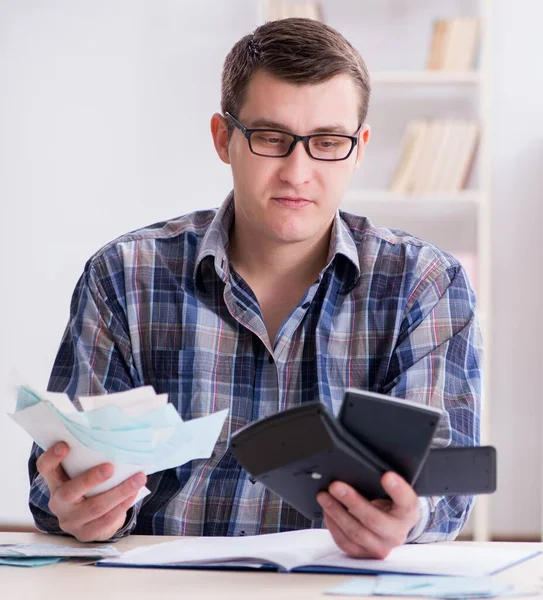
pixel 435 559
pixel 315 547
pixel 283 549
pixel 46 431
pixel 52 550
pixel 135 430
pixel 145 396
pixel 61 402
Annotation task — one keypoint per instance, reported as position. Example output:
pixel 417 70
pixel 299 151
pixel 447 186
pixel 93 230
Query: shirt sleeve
pixel 438 361
pixel 94 358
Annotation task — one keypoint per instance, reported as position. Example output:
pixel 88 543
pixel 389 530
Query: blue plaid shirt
pixel 163 306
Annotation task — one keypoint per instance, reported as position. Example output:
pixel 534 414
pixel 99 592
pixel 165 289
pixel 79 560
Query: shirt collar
pixel 215 241
pixel 215 244
pixel 342 244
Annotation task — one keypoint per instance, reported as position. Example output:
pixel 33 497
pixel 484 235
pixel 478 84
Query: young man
pixel 275 299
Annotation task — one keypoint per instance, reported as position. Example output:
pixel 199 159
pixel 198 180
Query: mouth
pixel 292 201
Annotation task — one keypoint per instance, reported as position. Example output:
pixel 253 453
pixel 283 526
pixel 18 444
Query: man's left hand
pixel 365 529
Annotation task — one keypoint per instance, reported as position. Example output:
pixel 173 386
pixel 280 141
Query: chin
pixel 293 229
pixel 293 236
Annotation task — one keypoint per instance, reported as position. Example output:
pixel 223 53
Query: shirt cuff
pixel 129 524
pixel 425 513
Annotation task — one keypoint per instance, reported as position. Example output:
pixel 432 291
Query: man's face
pixel 293 199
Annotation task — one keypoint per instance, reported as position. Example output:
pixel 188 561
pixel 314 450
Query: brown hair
pixel 300 51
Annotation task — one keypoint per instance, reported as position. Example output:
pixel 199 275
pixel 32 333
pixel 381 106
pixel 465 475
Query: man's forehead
pixel 327 106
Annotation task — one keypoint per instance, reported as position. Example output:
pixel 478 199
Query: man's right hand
pixel 92 519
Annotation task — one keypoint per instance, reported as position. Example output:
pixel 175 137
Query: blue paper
pixel 423 586
pixel 25 561
pixel 357 586
pixel 26 398
pixel 437 587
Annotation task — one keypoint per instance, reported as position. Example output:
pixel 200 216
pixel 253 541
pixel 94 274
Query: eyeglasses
pixel 279 144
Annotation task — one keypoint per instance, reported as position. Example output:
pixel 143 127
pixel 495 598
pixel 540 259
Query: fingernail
pixel 59 449
pixel 105 471
pixel 324 500
pixel 392 481
pixel 138 480
pixel 340 490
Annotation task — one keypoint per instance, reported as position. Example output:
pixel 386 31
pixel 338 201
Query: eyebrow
pixel 267 124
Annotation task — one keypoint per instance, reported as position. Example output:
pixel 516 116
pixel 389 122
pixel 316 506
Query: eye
pixel 272 139
pixel 328 143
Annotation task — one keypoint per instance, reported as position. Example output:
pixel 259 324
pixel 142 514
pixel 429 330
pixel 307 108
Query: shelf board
pixel 379 195
pixel 425 77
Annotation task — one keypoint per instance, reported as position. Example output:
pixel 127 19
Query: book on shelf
pixel 281 9
pixel 411 149
pixel 454 44
pixel 426 160
pixel 436 155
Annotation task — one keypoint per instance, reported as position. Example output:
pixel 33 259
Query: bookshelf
pixel 425 78
pixel 409 78
pixel 353 198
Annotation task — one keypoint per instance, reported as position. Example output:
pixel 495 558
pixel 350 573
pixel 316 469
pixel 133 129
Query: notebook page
pixel 286 550
pixel 433 559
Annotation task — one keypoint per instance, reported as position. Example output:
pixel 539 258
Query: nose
pixel 295 169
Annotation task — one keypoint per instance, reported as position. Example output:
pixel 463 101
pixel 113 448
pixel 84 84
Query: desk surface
pixel 79 582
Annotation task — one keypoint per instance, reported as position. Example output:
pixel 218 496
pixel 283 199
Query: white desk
pixel 74 581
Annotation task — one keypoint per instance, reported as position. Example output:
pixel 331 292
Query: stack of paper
pixel 36 555
pixel 135 430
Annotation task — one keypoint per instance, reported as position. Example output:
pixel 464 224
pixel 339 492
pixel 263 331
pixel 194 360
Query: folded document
pixel 135 430
pixel 36 555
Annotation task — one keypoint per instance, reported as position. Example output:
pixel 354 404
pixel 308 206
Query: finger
pixel 363 511
pixel 75 489
pixel 343 542
pixel 383 504
pixel 352 528
pixel 93 508
pixel 404 498
pixel 49 466
pixel 107 525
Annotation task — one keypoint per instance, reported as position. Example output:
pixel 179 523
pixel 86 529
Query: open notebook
pixel 313 550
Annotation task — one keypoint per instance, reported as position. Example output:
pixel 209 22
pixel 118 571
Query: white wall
pixel 98 101
pixel 516 415
pixel 104 127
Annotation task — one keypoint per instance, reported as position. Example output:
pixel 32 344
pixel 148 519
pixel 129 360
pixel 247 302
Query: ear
pixel 219 132
pixel 363 139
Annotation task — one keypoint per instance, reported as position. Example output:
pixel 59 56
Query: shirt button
pixel 270 359
pixel 305 305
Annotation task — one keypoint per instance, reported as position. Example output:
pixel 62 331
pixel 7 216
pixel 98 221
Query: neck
pixel 260 258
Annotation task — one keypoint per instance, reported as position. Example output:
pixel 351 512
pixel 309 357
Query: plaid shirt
pixel 163 306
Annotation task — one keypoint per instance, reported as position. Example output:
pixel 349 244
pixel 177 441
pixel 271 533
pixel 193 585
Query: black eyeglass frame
pixel 295 139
